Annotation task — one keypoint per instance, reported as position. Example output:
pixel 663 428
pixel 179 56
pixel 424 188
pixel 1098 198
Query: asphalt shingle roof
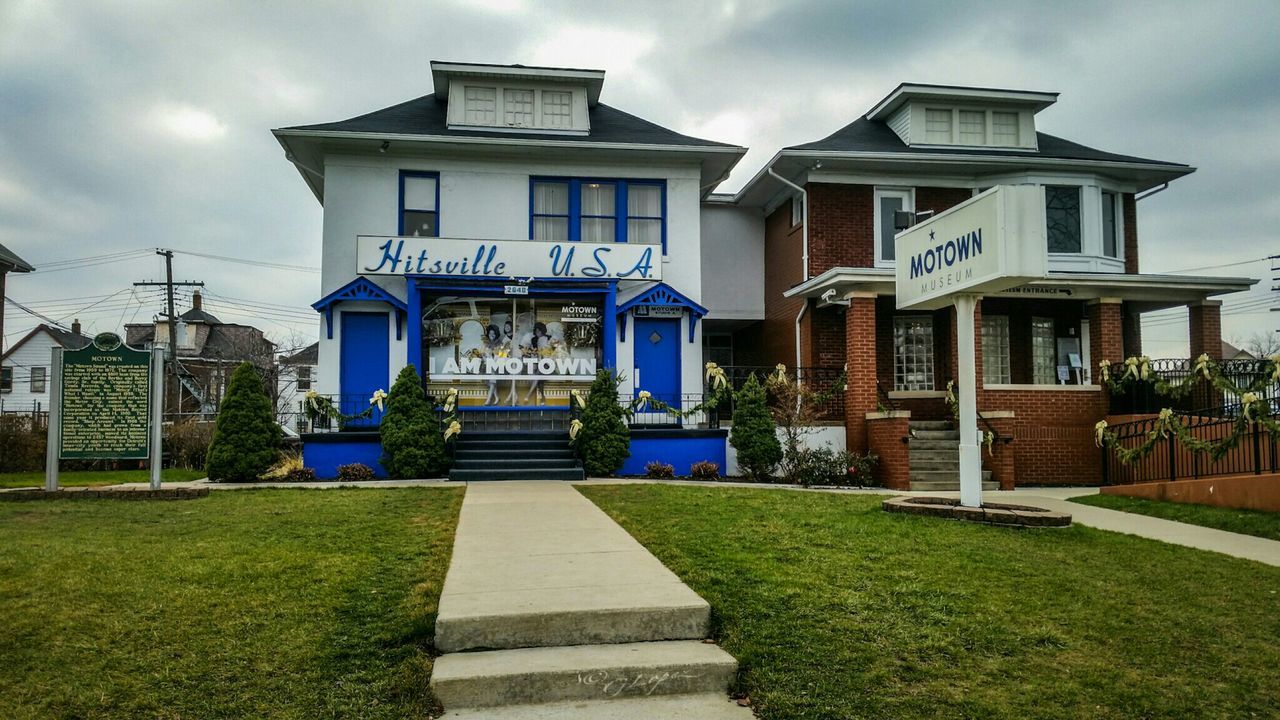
pixel 10 261
pixel 427 116
pixel 863 135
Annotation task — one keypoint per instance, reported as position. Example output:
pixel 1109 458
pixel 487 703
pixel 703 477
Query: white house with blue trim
pixel 510 234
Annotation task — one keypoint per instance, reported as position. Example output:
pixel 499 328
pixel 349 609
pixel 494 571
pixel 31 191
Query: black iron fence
pixel 684 410
pixel 1170 459
pixel 1137 396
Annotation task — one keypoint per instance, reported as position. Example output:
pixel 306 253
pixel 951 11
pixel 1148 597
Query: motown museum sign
pixel 502 259
pixel 989 243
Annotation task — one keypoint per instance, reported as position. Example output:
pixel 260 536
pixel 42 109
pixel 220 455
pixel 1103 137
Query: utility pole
pixel 171 316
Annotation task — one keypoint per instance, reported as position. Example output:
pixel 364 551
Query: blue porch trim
pixel 660 295
pixel 361 289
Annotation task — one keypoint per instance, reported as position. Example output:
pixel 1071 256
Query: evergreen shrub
pixel 412 442
pixel 604 442
pixel 754 434
pixel 246 438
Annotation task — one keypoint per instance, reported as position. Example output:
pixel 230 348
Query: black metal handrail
pixel 819 379
pixel 1170 460
pixel 1138 396
pixel 691 411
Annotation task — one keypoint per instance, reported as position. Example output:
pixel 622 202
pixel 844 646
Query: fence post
pixel 1173 457
pixel 1257 451
pixel 1106 466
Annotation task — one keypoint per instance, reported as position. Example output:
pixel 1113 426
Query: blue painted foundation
pixel 680 448
pixel 324 452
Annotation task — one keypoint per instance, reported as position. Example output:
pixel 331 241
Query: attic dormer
pixel 517 98
pixel 948 116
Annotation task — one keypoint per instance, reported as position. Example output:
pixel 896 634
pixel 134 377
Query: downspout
pixel 804 257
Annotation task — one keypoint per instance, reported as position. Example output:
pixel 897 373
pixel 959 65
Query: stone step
pixel 930 425
pixel 472 462
pixel 463 453
pixel 702 706
pixel 948 486
pixel 937 435
pixel 513 444
pixel 516 473
pixel 940 475
pixel 558 616
pixel 933 444
pixel 949 464
pixel 580 673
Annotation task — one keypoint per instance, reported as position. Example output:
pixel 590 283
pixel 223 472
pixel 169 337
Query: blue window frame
pixel 598 210
pixel 419 203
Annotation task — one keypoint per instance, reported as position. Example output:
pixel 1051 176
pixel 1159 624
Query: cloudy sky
pixel 130 126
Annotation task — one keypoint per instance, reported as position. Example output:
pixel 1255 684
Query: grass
pixel 94 478
pixel 836 609
pixel 247 603
pixel 1248 522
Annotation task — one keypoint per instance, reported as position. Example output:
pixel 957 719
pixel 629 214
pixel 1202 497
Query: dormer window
pixel 937 126
pixel 973 127
pixel 557 109
pixel 482 106
pixel 517 107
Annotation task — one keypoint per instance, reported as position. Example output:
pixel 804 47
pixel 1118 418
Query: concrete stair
pixel 551 610
pixel 514 455
pixel 934 452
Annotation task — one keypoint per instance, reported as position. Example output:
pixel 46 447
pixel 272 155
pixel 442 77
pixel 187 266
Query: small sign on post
pixel 989 243
pixel 105 405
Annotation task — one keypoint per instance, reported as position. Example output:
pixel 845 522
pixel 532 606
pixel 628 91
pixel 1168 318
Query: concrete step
pixel 463 453
pixel 930 425
pixel 948 486
pixel 509 473
pixel 949 464
pixel 580 673
pixel 933 444
pixel 513 463
pixel 702 706
pixel 937 435
pixel 558 616
pixel 490 445
pixel 940 475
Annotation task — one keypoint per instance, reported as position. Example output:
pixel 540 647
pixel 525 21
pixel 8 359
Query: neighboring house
pixel 1231 352
pixel 829 214
pixel 295 375
pixel 9 262
pixel 24 369
pixel 208 352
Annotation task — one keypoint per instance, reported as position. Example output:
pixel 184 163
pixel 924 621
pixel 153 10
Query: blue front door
pixel 657 342
pixel 365 356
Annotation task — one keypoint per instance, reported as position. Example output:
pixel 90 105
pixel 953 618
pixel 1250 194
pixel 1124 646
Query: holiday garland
pixel 319 406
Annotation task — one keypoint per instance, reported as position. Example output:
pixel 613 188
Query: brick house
pixel 828 211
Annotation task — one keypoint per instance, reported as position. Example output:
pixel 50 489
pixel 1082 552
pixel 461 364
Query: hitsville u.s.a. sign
pixel 502 259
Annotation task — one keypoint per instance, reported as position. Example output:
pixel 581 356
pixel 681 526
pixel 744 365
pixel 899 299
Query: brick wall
pixel 783 269
pixel 841 226
pixel 1132 332
pixel 1053 434
pixel 860 385
pixel 884 440
pixel 1130 233
pixel 1204 325
pixel 824 338
pixel 939 199
pixel 1105 332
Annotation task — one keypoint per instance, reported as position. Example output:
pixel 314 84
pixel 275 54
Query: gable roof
pixel 65 338
pixel 309 355
pixel 199 315
pixel 10 262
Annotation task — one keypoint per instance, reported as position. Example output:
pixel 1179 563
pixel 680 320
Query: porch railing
pixel 1140 397
pixel 1255 453
pixel 691 414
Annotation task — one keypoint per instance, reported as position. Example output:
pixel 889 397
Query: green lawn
pixel 244 604
pixel 96 477
pixel 836 609
pixel 1249 522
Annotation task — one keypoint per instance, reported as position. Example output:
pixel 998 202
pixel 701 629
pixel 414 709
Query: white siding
pixel 35 352
pixel 733 258
pixel 900 123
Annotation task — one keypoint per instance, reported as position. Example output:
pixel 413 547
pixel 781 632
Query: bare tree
pixel 1261 345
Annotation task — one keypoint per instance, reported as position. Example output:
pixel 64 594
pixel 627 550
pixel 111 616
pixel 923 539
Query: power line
pixel 255 263
pixel 1215 267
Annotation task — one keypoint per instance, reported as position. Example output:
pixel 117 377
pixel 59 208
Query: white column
pixel 157 415
pixel 53 434
pixel 970 448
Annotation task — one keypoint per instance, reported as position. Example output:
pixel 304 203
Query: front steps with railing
pixel 934 455
pixel 514 455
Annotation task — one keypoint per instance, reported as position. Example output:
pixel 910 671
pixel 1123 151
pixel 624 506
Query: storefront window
pixel 511 351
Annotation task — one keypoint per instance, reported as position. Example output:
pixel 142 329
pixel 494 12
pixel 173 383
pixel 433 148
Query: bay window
pixel 591 210
pixel 1110 242
pixel 1062 216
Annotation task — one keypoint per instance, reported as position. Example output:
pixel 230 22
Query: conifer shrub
pixel 412 442
pixel 246 438
pixel 604 442
pixel 754 435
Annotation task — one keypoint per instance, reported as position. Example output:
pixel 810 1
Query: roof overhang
pixel 1145 292
pixel 306 149
pixel 907 92
pixel 442 72
pixel 10 262
pixel 974 169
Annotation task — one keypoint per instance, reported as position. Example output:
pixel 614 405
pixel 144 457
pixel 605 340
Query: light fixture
pixel 385 144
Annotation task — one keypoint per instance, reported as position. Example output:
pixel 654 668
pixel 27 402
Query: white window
pixel 304 377
pixel 995 349
pixel 481 106
pixel 557 109
pixel 1004 129
pixel 644 213
pixel 551 211
pixel 887 202
pixel 517 107
pixel 937 126
pixel 37 380
pixel 599 212
pixel 797 210
pixel 1110 229
pixel 913 352
pixel 973 127
pixel 1043 354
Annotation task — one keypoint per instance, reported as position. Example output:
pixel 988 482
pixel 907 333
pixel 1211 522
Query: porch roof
pixel 1146 291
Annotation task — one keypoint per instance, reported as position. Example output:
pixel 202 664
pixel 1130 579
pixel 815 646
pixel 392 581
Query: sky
pixel 126 127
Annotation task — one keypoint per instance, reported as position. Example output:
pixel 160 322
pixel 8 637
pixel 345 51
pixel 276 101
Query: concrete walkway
pixel 550 609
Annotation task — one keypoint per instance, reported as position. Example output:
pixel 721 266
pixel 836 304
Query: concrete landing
pixel 537 564
pixel 550 609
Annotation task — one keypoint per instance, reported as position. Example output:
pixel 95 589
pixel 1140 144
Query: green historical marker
pixel 105 408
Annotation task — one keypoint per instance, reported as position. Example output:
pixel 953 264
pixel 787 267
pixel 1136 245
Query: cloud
pixel 188 123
